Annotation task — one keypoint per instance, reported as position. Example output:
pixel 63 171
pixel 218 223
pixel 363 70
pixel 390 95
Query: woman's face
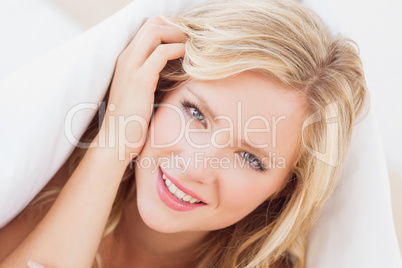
pixel 228 143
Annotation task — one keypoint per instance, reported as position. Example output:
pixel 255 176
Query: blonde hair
pixel 288 43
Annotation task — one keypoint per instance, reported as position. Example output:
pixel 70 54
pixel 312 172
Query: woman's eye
pixel 253 161
pixel 197 114
pixel 192 110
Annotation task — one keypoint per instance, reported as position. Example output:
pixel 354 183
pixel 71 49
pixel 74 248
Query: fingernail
pixel 32 264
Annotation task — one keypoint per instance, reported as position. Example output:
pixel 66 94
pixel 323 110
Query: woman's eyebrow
pixel 203 103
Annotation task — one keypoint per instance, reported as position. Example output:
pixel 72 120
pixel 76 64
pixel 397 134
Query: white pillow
pixel 356 226
pixel 26 32
pixel 355 229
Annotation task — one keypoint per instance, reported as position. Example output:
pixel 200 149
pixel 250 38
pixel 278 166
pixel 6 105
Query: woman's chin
pixel 158 220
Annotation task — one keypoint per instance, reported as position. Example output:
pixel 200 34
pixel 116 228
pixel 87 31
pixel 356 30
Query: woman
pixel 235 163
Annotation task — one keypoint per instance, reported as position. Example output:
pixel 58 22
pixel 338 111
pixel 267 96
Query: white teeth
pixel 179 194
pixel 187 198
pixel 193 200
pixel 172 188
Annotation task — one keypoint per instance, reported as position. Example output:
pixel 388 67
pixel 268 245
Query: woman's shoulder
pixel 22 225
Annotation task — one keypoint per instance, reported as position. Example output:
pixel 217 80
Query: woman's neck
pixel 136 243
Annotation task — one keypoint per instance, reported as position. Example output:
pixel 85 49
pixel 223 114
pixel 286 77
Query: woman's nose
pixel 201 166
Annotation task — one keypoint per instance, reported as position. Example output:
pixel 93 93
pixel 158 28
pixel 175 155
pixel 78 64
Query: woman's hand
pixel 136 76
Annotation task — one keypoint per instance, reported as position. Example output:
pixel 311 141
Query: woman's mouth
pixel 179 194
pixel 176 196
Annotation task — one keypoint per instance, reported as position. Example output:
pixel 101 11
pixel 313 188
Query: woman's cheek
pixel 244 192
pixel 167 127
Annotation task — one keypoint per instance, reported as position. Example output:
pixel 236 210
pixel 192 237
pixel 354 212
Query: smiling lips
pixel 176 196
pixel 179 194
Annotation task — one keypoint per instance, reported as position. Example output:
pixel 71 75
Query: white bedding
pixel 30 28
pixel 355 229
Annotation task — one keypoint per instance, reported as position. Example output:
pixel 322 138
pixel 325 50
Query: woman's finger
pixel 156 21
pixel 151 35
pixel 150 40
pixel 133 83
pixel 149 72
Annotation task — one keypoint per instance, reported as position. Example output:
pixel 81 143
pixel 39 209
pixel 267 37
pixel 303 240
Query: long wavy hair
pixel 287 43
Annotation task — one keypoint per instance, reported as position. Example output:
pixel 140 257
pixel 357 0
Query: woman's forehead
pixel 248 95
